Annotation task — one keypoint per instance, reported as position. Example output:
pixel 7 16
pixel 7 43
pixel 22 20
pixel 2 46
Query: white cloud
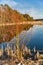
pixel 35 13
pixel 11 3
pixel 32 11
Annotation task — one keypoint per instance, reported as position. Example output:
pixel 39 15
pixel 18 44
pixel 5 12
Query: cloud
pixel 11 3
pixel 35 13
pixel 35 10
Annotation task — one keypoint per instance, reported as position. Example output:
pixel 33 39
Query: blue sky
pixel 33 7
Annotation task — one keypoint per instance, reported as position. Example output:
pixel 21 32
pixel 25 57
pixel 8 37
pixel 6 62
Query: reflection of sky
pixel 24 36
pixel 3 45
pixel 37 38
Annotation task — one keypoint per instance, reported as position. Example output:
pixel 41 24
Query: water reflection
pixel 32 38
pixel 37 38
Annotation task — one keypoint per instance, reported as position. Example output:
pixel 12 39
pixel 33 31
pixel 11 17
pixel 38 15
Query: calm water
pixel 32 37
pixel 37 37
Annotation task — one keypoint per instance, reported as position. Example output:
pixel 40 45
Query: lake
pixel 32 38
pixel 37 37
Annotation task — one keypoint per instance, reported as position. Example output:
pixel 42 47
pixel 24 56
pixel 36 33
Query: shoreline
pixel 23 23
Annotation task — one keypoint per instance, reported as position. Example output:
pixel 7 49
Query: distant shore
pixel 23 23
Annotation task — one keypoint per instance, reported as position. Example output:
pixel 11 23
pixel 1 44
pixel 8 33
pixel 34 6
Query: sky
pixel 32 7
